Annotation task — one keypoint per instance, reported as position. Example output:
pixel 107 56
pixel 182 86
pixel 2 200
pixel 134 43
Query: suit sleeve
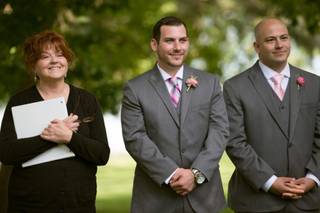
pixel 143 150
pixel 252 168
pixel 314 163
pixel 208 159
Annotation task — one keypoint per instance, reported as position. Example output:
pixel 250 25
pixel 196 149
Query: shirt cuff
pixel 267 185
pixel 311 176
pixel 169 178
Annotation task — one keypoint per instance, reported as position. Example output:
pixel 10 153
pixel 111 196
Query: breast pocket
pixel 200 107
pixel 200 113
pixel 308 112
pixel 309 105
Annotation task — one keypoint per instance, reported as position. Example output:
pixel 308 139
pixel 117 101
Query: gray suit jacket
pixel 260 147
pixel 160 141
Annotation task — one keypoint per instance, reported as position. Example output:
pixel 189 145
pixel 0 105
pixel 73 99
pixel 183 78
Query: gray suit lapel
pixel 295 100
pixel 185 96
pixel 263 89
pixel 158 84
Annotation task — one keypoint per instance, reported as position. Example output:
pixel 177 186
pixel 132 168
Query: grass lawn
pixel 115 183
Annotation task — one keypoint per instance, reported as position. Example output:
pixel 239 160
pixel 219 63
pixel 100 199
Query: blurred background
pixel 111 41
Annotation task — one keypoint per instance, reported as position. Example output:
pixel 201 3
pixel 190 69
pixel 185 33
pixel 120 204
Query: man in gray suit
pixel 274 116
pixel 175 126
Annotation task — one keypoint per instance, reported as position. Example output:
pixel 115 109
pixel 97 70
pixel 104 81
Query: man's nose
pixel 177 45
pixel 279 43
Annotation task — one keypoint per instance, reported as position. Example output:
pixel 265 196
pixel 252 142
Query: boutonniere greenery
pixel 192 82
pixel 300 81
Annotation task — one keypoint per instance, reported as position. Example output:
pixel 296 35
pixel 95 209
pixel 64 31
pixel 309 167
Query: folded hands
pixel 291 188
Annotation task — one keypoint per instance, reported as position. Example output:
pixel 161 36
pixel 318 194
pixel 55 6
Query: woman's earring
pixel 35 78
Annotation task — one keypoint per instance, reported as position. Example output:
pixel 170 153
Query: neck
pixel 278 67
pixel 171 70
pixel 52 90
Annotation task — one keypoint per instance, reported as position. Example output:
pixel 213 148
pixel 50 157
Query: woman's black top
pixel 67 185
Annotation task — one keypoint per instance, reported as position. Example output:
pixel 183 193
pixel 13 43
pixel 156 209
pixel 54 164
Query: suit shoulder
pixel 311 77
pixel 140 78
pixel 239 83
pixel 204 75
pixel 306 73
pixel 240 77
pixel 199 72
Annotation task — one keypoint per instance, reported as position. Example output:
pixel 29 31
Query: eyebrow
pixel 278 35
pixel 169 38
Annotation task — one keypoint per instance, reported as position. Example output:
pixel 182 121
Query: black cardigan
pixel 67 185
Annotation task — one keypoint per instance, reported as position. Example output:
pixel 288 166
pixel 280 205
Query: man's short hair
pixel 169 21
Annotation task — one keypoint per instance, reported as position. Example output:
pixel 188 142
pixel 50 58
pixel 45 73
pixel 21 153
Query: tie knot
pixel 276 79
pixel 173 80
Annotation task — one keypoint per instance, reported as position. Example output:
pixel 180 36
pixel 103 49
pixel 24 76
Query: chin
pixel 281 60
pixel 176 63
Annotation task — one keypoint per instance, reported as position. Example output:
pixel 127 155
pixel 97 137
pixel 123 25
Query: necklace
pixel 50 93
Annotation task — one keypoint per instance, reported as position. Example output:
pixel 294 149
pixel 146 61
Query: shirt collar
pixel 166 76
pixel 269 73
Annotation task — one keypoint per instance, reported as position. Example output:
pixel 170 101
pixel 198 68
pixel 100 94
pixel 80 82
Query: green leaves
pixel 111 37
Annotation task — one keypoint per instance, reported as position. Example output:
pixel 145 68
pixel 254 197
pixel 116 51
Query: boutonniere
pixel 192 82
pixel 300 81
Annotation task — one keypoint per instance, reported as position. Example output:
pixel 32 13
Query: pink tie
pixel 277 79
pixel 175 91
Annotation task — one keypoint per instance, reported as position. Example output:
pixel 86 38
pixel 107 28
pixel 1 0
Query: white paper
pixel 31 119
pixel 59 152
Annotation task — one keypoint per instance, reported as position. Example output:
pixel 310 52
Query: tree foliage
pixel 111 37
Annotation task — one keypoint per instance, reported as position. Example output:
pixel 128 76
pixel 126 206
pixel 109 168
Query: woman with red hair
pixel 65 185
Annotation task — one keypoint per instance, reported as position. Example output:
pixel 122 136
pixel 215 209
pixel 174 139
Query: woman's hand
pixel 72 122
pixel 60 131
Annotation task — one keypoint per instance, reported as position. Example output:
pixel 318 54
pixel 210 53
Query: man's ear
pixel 154 44
pixel 256 47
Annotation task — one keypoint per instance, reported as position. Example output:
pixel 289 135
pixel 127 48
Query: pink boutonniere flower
pixel 300 81
pixel 192 82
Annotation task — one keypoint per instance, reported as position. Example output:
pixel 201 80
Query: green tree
pixel 111 37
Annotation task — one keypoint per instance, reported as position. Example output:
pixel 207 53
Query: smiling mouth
pixel 56 67
pixel 279 53
pixel 177 55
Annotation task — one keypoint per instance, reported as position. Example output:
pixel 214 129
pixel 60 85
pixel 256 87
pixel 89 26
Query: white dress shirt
pixel 166 76
pixel 269 73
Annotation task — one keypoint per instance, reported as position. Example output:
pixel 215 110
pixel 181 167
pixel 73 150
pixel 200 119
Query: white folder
pixel 31 119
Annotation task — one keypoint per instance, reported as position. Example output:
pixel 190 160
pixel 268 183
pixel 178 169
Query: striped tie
pixel 175 91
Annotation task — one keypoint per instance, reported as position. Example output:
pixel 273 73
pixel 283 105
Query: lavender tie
pixel 175 91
